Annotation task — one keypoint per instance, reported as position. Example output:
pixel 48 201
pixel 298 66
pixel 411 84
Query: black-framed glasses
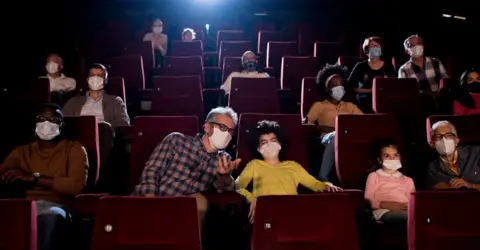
pixel 447 136
pixel 54 119
pixel 223 128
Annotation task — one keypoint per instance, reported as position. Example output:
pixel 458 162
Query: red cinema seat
pixel 37 91
pixel 177 96
pixel 396 96
pixel 294 70
pixel 458 109
pixel 18 225
pixel 131 69
pixel 350 61
pixel 265 36
pixel 276 228
pixel 116 86
pixel 432 225
pixel 276 51
pixel 184 66
pixel 145 49
pixel 254 95
pixel 148 131
pixel 309 95
pixel 231 64
pixel 354 135
pixel 291 126
pixel 327 52
pixel 212 98
pixel 180 48
pixel 138 223
pixel 233 49
pixel 466 125
pixel 229 35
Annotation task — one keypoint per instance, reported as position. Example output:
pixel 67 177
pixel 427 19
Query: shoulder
pixel 75 100
pixel 361 65
pixel 432 59
pixel 469 149
pixel 74 147
pixel 405 65
pixel 350 105
pixel 148 36
pixel 372 176
pixel 294 165
pixel 113 98
pixel 254 163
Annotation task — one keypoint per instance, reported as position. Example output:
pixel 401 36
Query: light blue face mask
pixel 375 52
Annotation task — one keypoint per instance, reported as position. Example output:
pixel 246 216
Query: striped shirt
pixel 179 166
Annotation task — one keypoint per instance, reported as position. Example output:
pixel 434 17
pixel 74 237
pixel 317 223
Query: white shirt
pixel 61 83
pixel 93 107
pixel 246 74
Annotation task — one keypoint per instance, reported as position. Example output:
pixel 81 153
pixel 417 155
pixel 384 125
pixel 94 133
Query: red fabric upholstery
pixel 184 66
pixel 320 222
pixel 268 36
pixel 458 109
pixel 396 96
pixel 145 49
pixel 229 35
pixel 212 98
pixel 231 64
pixel 84 129
pixel 148 131
pixel 138 223
pixel 233 49
pixel 294 69
pixel 116 86
pixel 466 125
pixel 350 61
pixel 292 129
pixel 327 52
pixel 254 95
pixel 177 96
pixel 87 204
pixel 180 48
pixel 18 225
pixel 309 95
pixel 448 83
pixel 37 91
pixel 432 225
pixel 131 69
pixel 354 135
pixel 276 51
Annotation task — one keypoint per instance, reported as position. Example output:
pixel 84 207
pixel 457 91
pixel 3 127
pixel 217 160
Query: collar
pixel 385 174
pixel 60 77
pixel 101 94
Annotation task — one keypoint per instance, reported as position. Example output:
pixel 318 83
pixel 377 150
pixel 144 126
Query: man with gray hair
pixel 249 64
pixel 427 70
pixel 183 165
pixel 456 166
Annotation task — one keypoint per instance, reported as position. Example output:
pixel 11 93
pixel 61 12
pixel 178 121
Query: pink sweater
pixel 382 186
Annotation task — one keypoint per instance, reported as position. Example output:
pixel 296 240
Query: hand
pixel 330 188
pixel 251 213
pixel 225 166
pixel 458 183
pixel 16 174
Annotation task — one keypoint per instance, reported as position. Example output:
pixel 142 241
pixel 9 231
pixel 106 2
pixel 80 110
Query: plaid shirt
pixel 429 77
pixel 179 166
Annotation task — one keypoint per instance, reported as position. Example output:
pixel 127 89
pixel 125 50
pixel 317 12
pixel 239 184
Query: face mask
pixel 157 30
pixel 47 130
pixel 392 164
pixel 52 67
pixel 338 92
pixel 271 150
pixel 474 87
pixel 375 52
pixel 251 66
pixel 219 139
pixel 95 83
pixel 445 147
pixel 416 51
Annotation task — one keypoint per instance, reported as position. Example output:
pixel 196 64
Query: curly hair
pixel 326 72
pixel 266 127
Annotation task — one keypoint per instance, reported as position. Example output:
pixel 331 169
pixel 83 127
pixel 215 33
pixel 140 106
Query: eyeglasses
pixel 447 136
pixel 54 119
pixel 223 128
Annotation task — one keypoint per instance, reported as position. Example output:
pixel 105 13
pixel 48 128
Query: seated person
pixel 53 171
pixel 361 78
pixel 387 189
pixel 470 79
pixel 159 41
pixel 270 173
pixel 427 70
pixel 61 87
pixel 96 102
pixel 330 81
pixel 249 63
pixel 198 161
pixel 456 166
pixel 188 35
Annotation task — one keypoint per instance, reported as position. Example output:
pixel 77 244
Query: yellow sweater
pixel 282 179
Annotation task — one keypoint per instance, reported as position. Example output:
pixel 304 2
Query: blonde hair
pixel 186 30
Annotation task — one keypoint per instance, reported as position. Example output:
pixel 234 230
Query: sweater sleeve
pixel 244 179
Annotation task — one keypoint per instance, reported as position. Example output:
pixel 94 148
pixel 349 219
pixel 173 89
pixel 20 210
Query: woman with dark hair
pixel 361 78
pixel 470 79
pixel 469 83
pixel 270 173
pixel 387 189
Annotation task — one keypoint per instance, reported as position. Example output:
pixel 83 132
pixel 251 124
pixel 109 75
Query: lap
pixel 44 207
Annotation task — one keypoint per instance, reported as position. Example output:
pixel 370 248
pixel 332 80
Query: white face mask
pixel 416 51
pixel 392 164
pixel 338 92
pixel 51 67
pixel 95 83
pixel 157 30
pixel 271 150
pixel 219 139
pixel 445 147
pixel 47 130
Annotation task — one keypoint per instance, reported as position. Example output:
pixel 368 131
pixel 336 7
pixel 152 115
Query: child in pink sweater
pixel 388 190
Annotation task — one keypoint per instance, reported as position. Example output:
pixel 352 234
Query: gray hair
pixel 246 53
pixel 222 111
pixel 407 41
pixel 440 124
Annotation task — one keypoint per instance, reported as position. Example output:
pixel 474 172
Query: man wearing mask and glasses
pixel 456 166
pixel 183 165
pixel 51 171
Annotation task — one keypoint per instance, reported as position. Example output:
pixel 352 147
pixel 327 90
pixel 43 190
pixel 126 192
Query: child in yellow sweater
pixel 272 176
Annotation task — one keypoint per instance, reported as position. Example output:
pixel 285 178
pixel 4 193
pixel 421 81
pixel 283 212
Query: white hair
pixel 440 124
pixel 407 41
pixel 247 53
pixel 222 111
pixel 186 30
